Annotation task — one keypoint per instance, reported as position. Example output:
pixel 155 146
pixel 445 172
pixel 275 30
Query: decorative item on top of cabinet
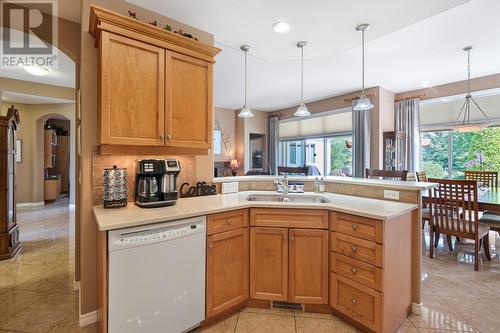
pixel 9 229
pixel 155 88
pixel 227 262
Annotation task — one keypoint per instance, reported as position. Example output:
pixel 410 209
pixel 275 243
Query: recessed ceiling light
pixel 281 27
pixel 37 70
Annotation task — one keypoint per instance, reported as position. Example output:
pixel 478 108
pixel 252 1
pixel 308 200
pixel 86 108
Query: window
pixel 327 156
pixel 447 154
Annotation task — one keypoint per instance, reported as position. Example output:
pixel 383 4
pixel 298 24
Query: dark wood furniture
pixel 394 150
pixel 283 170
pixel 386 174
pixel 454 212
pixel 9 229
pixel 485 178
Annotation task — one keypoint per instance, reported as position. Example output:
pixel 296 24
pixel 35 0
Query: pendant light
pixel 463 123
pixel 363 102
pixel 302 110
pixel 245 111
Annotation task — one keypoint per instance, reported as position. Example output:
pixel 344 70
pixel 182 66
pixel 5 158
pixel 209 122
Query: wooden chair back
pixel 411 177
pixel 453 206
pixel 282 170
pixel 487 178
pixel 421 176
pixel 386 174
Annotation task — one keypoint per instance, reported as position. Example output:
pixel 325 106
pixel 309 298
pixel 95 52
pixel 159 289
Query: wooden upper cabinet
pixel 227 270
pixel 269 263
pixel 189 106
pixel 308 277
pixel 132 92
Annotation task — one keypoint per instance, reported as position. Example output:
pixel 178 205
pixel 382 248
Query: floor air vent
pixel 287 306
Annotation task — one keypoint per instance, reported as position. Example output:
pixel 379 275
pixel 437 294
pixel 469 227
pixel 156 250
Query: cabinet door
pixel 269 263
pixel 227 270
pixel 308 266
pixel 132 79
pixel 189 105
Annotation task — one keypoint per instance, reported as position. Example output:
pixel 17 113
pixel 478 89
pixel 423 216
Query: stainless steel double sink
pixel 298 198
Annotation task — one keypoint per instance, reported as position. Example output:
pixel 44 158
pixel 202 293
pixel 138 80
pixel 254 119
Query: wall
pixel 454 88
pixel 226 118
pixel 385 121
pixel 203 165
pixel 30 171
pixel 36 89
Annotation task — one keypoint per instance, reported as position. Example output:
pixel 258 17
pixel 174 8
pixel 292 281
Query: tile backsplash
pixel 100 162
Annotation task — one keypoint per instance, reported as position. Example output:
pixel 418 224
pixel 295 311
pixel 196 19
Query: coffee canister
pixel 115 192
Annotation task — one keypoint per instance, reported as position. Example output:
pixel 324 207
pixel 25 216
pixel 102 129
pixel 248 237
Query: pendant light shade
pixel 463 123
pixel 363 102
pixel 302 110
pixel 245 111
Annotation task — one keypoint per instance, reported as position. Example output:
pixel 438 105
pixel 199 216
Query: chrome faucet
pixel 283 183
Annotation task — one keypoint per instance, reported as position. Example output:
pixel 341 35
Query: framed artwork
pixel 19 154
pixel 217 142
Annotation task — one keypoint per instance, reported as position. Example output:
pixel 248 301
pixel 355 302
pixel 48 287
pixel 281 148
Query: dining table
pixel 488 198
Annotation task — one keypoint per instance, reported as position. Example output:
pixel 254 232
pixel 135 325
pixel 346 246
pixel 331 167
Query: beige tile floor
pixel 36 289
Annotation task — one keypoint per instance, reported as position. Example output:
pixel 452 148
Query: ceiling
pixel 411 43
pixel 62 75
pixel 12 97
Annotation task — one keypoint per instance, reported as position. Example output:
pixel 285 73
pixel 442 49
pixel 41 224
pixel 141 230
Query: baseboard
pixel 30 204
pixel 87 318
pixel 76 285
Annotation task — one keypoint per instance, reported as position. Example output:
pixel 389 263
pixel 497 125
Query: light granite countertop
pixel 132 215
pixel 388 184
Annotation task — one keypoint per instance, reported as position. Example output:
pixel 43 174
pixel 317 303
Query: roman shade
pixel 323 124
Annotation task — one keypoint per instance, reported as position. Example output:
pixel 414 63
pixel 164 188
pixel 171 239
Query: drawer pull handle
pixel 354 249
pixel 228 221
pixel 354 270
pixel 353 300
pixel 354 227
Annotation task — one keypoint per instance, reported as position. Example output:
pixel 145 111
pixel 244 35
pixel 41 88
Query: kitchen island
pixel 367 249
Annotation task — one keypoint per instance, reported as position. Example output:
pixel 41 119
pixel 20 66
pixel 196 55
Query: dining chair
pixel 487 178
pixel 386 174
pixel 421 176
pixel 284 170
pixel 454 212
pixel 411 177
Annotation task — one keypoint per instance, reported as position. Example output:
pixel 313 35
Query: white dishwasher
pixel 157 277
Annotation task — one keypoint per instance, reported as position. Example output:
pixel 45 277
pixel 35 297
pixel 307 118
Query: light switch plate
pixel 392 195
pixel 231 187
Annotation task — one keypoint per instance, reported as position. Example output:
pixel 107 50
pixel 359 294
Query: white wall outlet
pixel 231 187
pixel 392 195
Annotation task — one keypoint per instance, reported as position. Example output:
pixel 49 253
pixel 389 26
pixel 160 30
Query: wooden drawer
pixel 357 226
pixel 289 218
pixel 359 302
pixel 368 275
pixel 369 252
pixel 226 221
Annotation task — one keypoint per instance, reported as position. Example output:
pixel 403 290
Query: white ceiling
pixel 410 43
pixel 13 97
pixel 62 75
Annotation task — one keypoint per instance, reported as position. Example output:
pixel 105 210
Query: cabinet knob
pixel 353 300
pixel 228 221
pixel 210 245
pixel 292 238
pixel 354 227
pixel 285 237
pixel 162 136
pixel 353 248
pixel 354 270
pixel 169 136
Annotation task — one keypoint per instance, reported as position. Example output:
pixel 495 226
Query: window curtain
pixel 360 141
pixel 274 141
pixel 407 119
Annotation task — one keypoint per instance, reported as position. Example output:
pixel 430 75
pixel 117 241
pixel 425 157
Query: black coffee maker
pixel 150 185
